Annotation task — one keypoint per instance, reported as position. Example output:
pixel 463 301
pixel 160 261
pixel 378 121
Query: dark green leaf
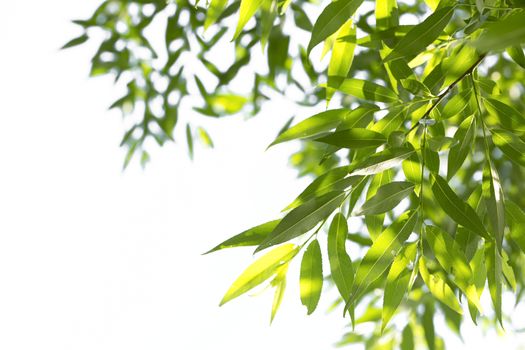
pixel 340 263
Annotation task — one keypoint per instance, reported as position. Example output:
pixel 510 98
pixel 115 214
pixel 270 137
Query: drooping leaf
pixel 362 89
pixel 303 218
pixel 251 237
pixel 381 161
pixel 386 13
pixel 422 35
pixel 279 283
pixel 374 223
pixel 458 104
pixel 479 274
pixel 511 145
pixel 246 11
pixel 261 270
pixel 438 286
pixel 331 19
pixel 340 263
pixel 504 33
pixel 505 115
pixel 214 11
pixel 353 138
pixel 428 325
pixel 493 196
pixel 342 55
pixel 517 55
pixel 397 282
pixel 516 218
pixel 456 208
pixel 311 281
pixel 464 136
pixel 494 277
pixel 382 252
pixel 386 198
pixel 407 338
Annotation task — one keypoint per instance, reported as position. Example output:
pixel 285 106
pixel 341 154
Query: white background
pixel 95 258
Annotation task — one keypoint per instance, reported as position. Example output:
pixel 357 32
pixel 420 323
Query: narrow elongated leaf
pixel 386 14
pixel 422 35
pixel 251 237
pixel 303 218
pixel 516 218
pixel 386 198
pixel 453 261
pixel 397 282
pixel 428 325
pixel 374 223
pixel 353 138
pixel 279 282
pixel 458 104
pixel 382 252
pixel 407 338
pixel 340 263
pixel 331 19
pixel 507 32
pixel 479 273
pixel 511 145
pixel 457 209
pixel 382 161
pixel 214 11
pixel 75 42
pixel 246 11
pixel 315 125
pixel 342 55
pixel 505 115
pixel 493 196
pixel 311 281
pixel 262 269
pixel 465 136
pixel 517 55
pixel 362 89
pixel 438 287
pixel 494 276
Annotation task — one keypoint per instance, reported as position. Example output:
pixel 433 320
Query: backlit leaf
pixel 494 276
pixel 362 89
pixel 381 161
pixel 511 145
pixel 311 281
pixel 464 136
pixel 386 198
pixel 353 138
pixel 247 10
pixel 508 31
pixel 505 115
pixel 340 263
pixel 493 196
pixel 342 55
pixel 438 287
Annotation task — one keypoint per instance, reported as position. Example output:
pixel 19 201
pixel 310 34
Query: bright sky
pixel 95 258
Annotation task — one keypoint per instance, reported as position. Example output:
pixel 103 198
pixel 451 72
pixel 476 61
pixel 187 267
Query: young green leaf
pixel 340 263
pixel 331 19
pixel 250 237
pixel 311 280
pixel 374 223
pixel 397 282
pixel 386 198
pixel 214 11
pixel 382 252
pixel 505 115
pixel 353 138
pixel 511 145
pixel 262 269
pixel 247 10
pixel 342 55
pixel 279 282
pixel 438 287
pixel 458 104
pixel 465 136
pixel 493 196
pixel 479 277
pixel 303 218
pixel 362 89
pixel 422 35
pixel 381 161
pixel 457 209
pixel 516 218
pixel 315 125
pixel 386 14
pixel 494 276
pixel 507 32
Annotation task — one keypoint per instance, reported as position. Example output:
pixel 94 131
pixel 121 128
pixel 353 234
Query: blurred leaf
pixel 511 145
pixel 507 32
pixel 76 41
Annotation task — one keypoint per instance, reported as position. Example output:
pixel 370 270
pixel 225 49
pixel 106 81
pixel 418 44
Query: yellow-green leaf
pixel 511 145
pixel 508 31
pixel 386 198
pixel 342 55
pixel 311 280
pixel 353 138
pixel 494 276
pixel 465 136
pixel 438 287
pixel 381 161
pixel 279 282
pixel 246 11
pixel 340 263
pixel 362 89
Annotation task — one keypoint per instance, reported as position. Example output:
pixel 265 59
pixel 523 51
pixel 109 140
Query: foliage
pixel 425 146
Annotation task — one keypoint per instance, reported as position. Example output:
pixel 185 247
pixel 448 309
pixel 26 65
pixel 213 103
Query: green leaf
pixel 260 270
pixel 382 252
pixel 331 19
pixel 353 138
pixel 479 274
pixel 246 11
pixel 189 140
pixel 397 282
pixel 493 196
pixel 516 53
pixel 516 218
pixel 422 35
pixel 428 325
pixel 412 167
pixel 333 180
pixel 511 145
pixel 374 223
pixel 407 338
pixel 279 282
pixel 315 125
pixel 76 41
pixel 465 136
pixel 381 161
pixel 505 115
pixel 340 263
pixel 362 89
pixel 441 143
pixel 251 237
pixel 342 55
pixel 460 104
pixel 494 276
pixel 386 198
pixel 390 122
pixel 303 218
pixel 214 11
pixel 453 261
pixel 311 280
pixel 457 209
pixel 438 287
pixel 507 32
pixel 386 13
